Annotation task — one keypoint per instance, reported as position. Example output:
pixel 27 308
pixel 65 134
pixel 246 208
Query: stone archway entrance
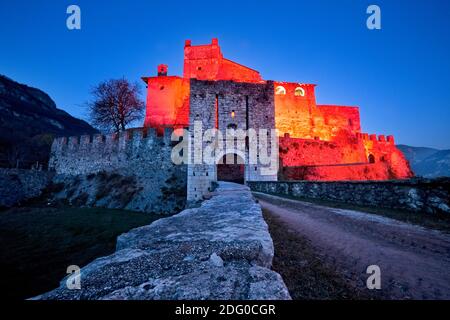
pixel 231 168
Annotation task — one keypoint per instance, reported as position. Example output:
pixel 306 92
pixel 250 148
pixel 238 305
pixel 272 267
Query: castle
pixel 314 142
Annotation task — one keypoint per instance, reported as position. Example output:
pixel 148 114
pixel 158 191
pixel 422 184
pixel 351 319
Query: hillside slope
pixel 427 162
pixel 29 119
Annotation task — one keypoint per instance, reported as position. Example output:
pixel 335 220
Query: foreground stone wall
pixel 118 189
pixel 17 185
pixel 221 250
pixel 136 150
pixel 418 195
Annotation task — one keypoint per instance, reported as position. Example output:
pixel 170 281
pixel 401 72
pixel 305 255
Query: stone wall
pixel 221 250
pixel 358 157
pixel 137 155
pixel 137 150
pixel 340 172
pixel 17 185
pixel 418 195
pixel 307 152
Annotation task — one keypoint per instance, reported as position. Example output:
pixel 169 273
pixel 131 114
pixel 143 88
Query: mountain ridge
pixel 29 120
pixel 427 162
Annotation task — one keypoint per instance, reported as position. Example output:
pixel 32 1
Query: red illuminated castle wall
pixel 317 142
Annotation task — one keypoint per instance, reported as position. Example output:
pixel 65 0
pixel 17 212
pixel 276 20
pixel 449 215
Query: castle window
pixel 161 88
pixel 199 68
pixel 371 158
pixel 280 90
pixel 299 92
pixel 233 113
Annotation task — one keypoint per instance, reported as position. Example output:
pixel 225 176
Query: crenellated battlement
pixel 380 139
pixel 91 153
pixel 130 136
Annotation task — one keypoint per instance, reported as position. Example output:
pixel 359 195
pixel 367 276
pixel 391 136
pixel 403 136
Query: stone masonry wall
pixel 418 195
pixel 139 155
pixel 221 250
pixel 342 172
pixel 306 152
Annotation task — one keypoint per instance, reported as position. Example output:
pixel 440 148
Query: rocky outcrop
pixel 430 196
pixel 132 170
pixel 220 250
pixel 34 112
pixel 160 191
pixel 18 185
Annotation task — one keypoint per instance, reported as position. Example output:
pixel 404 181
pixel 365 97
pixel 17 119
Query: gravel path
pixel 414 261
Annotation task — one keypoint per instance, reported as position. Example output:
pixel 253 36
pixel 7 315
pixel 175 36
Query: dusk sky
pixel 399 76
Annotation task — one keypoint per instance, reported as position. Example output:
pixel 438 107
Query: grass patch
pixel 305 274
pixel 38 244
pixel 434 221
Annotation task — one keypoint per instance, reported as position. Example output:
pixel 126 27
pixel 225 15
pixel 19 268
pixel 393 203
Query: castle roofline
pixel 145 79
pixel 295 83
pixel 241 65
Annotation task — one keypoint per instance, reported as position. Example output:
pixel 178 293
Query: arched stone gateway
pixel 227 105
pixel 231 168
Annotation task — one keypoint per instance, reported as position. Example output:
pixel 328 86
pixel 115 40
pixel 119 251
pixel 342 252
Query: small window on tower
pixel 280 90
pixel 299 92
pixel 199 68
pixel 233 113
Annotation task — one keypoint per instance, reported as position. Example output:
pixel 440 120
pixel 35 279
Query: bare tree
pixel 115 105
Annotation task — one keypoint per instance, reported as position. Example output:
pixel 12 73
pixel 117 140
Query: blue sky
pixel 399 76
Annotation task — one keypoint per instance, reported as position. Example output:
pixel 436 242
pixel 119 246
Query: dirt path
pixel 414 261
